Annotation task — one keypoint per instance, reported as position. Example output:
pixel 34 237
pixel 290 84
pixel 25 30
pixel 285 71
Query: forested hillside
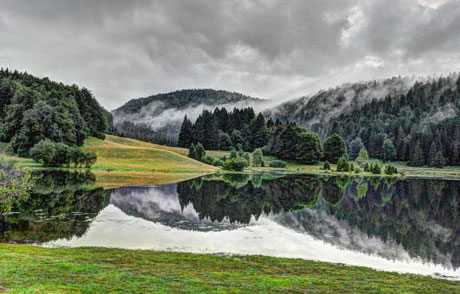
pixel 422 126
pixel 313 112
pixel 158 118
pixel 419 124
pixel 34 109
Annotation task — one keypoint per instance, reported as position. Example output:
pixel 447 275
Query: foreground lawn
pixel 27 269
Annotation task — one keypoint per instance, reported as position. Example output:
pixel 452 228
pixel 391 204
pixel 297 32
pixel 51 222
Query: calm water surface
pixel 410 225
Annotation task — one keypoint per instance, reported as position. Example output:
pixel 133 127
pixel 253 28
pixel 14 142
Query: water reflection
pixel 60 206
pixel 407 225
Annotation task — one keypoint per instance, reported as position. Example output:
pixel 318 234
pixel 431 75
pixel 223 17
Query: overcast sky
pixel 122 49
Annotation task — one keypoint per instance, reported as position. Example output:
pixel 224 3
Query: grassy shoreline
pixel 29 269
pixel 124 161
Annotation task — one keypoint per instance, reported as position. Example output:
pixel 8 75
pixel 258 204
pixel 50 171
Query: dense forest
pixel 421 127
pixel 394 119
pixel 162 113
pixel 36 109
pixel 143 132
pixel 241 129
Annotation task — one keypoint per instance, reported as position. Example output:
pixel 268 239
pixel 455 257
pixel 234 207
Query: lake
pixel 410 225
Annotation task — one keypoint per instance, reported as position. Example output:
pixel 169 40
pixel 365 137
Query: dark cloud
pixel 267 48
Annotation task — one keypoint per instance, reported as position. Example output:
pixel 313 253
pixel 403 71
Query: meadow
pixel 29 269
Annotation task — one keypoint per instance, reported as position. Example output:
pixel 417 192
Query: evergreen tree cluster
pixel 144 133
pixel 421 127
pixel 33 109
pixel 242 129
pixel 220 129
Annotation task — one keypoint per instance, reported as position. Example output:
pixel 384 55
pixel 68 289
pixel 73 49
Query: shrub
pixel 278 164
pixel 352 167
pixel 218 162
pixel 342 164
pixel 265 150
pixel 62 155
pixel 15 184
pixel 246 156
pixel 376 169
pixel 257 157
pixel 390 170
pixel 334 148
pixel 236 164
pixel 208 159
pixel 326 166
pixel 90 158
pixel 357 170
pixel 363 157
pixel 77 156
pixel 367 167
pixel 43 152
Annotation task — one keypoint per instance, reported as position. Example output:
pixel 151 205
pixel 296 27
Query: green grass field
pixel 28 269
pixel 120 154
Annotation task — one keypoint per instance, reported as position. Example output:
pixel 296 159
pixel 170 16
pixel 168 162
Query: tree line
pixel 241 129
pixel 421 127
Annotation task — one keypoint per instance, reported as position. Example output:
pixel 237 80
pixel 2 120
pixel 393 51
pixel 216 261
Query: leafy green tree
pixel 90 159
pixel 43 152
pixel 257 157
pixel 389 150
pixel 77 156
pixel 334 147
pixel 356 146
pixel 62 155
pixel 308 148
pixel 342 164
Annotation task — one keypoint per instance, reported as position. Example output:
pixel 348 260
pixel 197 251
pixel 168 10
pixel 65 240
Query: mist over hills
pixel 158 117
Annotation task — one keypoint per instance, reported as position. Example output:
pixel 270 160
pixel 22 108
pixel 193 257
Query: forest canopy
pixel 34 109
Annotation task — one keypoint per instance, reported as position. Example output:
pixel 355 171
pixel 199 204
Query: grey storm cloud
pixel 265 48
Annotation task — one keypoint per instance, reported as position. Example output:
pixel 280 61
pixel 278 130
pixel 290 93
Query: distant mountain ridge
pixel 315 111
pixel 185 98
pixel 162 114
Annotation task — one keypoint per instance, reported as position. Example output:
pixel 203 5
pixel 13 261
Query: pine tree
pixel 417 158
pixel 200 152
pixel 432 154
pixel 192 152
pixel 356 146
pixel 439 161
pixel 186 133
pixel 389 150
